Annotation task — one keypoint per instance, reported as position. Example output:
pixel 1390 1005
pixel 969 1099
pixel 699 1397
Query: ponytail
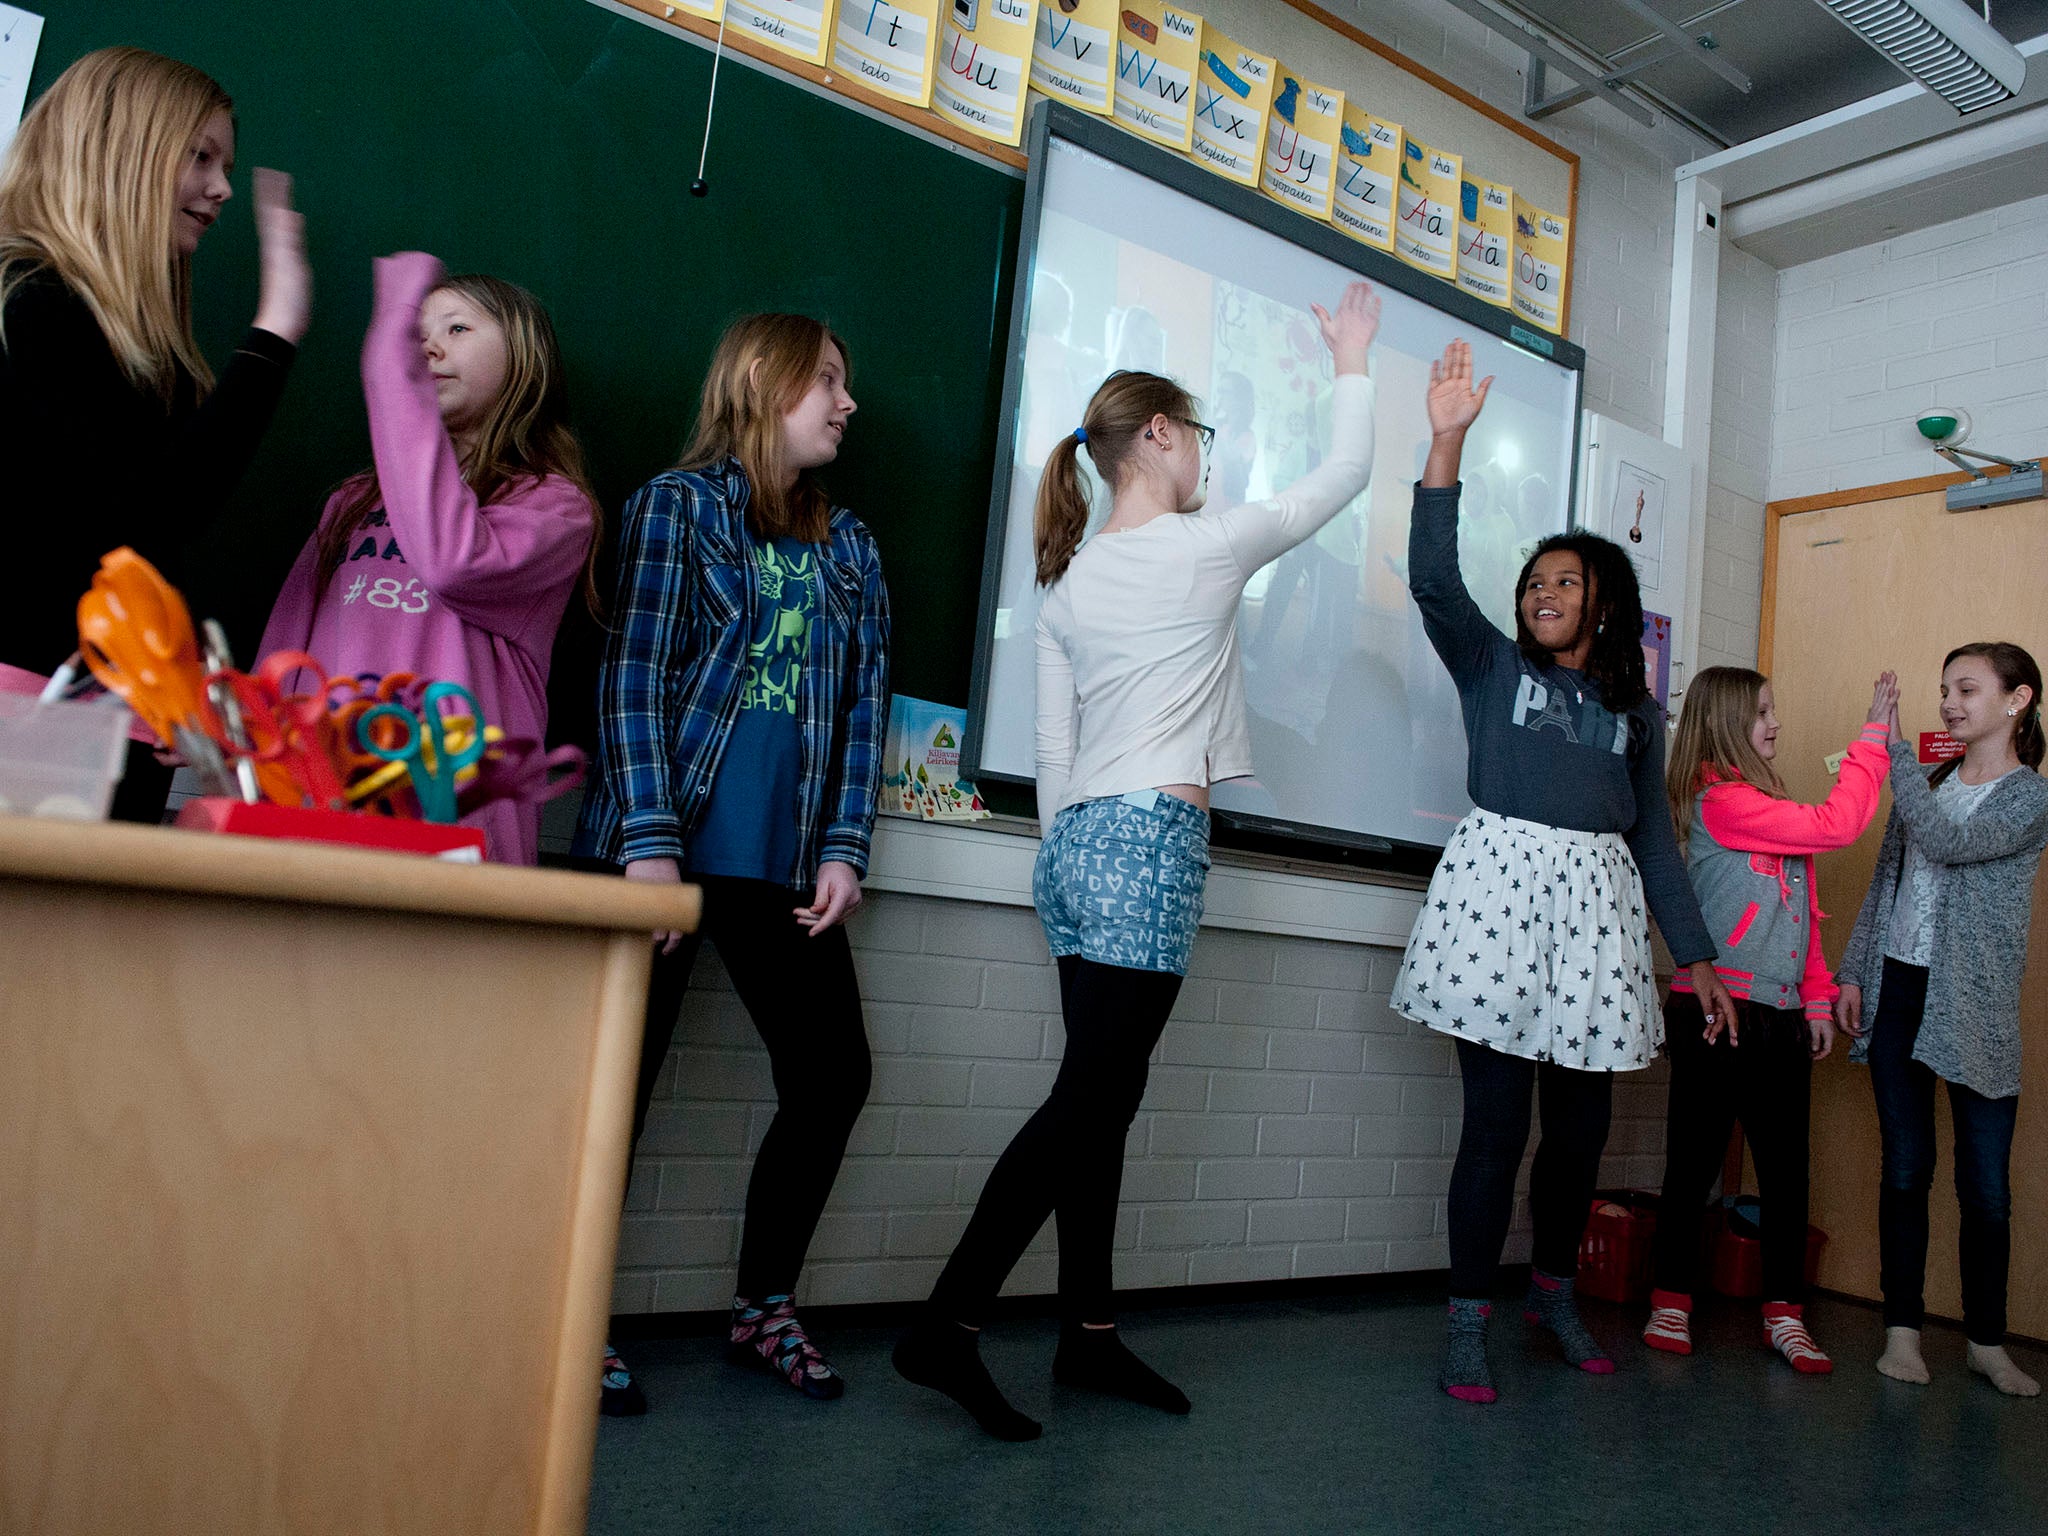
pixel 1061 514
pixel 1117 413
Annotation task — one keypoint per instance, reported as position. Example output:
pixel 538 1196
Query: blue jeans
pixel 1905 1121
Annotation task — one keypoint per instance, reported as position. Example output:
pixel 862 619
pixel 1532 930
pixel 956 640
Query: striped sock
pixel 1670 1326
pixel 1785 1331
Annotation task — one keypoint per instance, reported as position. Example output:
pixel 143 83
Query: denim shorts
pixel 1119 880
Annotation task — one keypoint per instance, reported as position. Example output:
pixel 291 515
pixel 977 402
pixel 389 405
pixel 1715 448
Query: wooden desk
pixel 310 1169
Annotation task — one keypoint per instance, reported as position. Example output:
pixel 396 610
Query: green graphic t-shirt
pixel 749 824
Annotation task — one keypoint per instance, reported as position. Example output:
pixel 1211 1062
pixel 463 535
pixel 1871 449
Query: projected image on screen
pixel 1355 725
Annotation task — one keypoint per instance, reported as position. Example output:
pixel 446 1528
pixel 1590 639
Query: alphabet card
pixel 888 46
pixel 1426 200
pixel 1542 241
pixel 1368 161
pixel 1158 50
pixel 1485 233
pixel 800 28
pixel 1301 144
pixel 984 65
pixel 1072 52
pixel 1233 94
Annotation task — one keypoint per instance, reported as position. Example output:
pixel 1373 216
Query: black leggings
pixel 802 996
pixel 1069 1157
pixel 1763 1081
pixel 1576 1106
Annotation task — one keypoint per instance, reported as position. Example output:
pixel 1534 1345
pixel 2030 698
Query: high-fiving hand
pixel 1453 403
pixel 1349 332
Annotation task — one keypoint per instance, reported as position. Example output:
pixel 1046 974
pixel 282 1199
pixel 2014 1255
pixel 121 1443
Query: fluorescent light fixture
pixel 1943 44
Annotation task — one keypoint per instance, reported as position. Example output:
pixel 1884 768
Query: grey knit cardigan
pixel 1985 869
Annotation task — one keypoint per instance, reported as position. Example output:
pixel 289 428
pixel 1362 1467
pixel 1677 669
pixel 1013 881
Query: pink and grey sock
pixel 1552 1303
pixel 1465 1374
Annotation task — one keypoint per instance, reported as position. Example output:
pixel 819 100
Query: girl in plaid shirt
pixel 742 703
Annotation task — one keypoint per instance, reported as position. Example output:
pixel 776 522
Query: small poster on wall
pixel 1657 657
pixel 1636 521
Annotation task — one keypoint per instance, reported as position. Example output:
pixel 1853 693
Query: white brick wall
pixel 1738 463
pixel 1294 1126
pixel 1952 315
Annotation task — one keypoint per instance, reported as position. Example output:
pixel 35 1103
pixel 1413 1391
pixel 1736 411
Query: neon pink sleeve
pixel 1739 816
pixel 491 563
pixel 1817 987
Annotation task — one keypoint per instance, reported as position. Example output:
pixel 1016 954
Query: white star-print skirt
pixel 1534 940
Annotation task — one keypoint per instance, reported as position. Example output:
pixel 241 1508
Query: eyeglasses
pixel 1204 433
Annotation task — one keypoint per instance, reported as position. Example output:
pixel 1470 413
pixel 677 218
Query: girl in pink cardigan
pixel 1749 851
pixel 454 555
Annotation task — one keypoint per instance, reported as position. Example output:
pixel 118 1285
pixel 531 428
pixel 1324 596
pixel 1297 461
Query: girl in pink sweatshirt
pixel 454 555
pixel 1749 850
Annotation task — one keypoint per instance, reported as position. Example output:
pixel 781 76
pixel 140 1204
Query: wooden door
pixel 1857 582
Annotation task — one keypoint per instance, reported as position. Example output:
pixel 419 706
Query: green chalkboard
pixel 553 142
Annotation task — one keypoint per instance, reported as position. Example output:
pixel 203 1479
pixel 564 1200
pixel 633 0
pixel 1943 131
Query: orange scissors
pixel 136 634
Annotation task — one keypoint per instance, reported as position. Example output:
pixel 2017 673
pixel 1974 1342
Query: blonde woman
pixel 113 429
pixel 742 703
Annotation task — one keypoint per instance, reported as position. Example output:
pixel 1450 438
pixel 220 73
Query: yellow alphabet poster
pixel 1542 243
pixel 1233 94
pixel 887 45
pixel 984 64
pixel 1368 161
pixel 800 28
pixel 1485 233
pixel 1301 144
pixel 1073 52
pixel 1426 202
pixel 1158 50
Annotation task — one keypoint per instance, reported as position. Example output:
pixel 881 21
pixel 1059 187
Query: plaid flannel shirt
pixel 669 688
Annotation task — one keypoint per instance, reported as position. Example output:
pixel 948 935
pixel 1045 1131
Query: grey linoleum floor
pixel 1321 1415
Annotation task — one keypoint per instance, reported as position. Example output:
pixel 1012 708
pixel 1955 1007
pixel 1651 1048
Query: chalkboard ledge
pixel 1248 892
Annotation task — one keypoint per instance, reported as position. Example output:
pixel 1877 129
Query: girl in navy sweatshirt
pixel 1532 950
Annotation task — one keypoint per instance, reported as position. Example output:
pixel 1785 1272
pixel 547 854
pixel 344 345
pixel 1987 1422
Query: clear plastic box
pixel 61 759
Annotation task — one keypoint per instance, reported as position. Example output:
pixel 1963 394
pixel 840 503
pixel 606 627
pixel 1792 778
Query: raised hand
pixel 1453 403
pixel 1349 332
pixel 1884 699
pixel 284 300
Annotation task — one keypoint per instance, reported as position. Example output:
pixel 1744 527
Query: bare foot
pixel 1992 1361
pixel 1901 1358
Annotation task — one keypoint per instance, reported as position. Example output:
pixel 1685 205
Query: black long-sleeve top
pixel 89 461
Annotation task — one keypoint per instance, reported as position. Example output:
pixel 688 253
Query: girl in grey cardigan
pixel 1934 964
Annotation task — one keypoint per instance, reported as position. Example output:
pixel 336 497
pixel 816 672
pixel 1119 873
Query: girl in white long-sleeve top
pixel 1140 709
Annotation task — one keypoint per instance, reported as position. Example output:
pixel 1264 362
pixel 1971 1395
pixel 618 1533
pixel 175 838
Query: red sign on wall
pixel 1938 747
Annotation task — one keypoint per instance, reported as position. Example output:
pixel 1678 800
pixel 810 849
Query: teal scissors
pixel 422 744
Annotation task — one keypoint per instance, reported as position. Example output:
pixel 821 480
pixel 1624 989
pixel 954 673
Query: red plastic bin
pixel 1739 1262
pixel 1614 1255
